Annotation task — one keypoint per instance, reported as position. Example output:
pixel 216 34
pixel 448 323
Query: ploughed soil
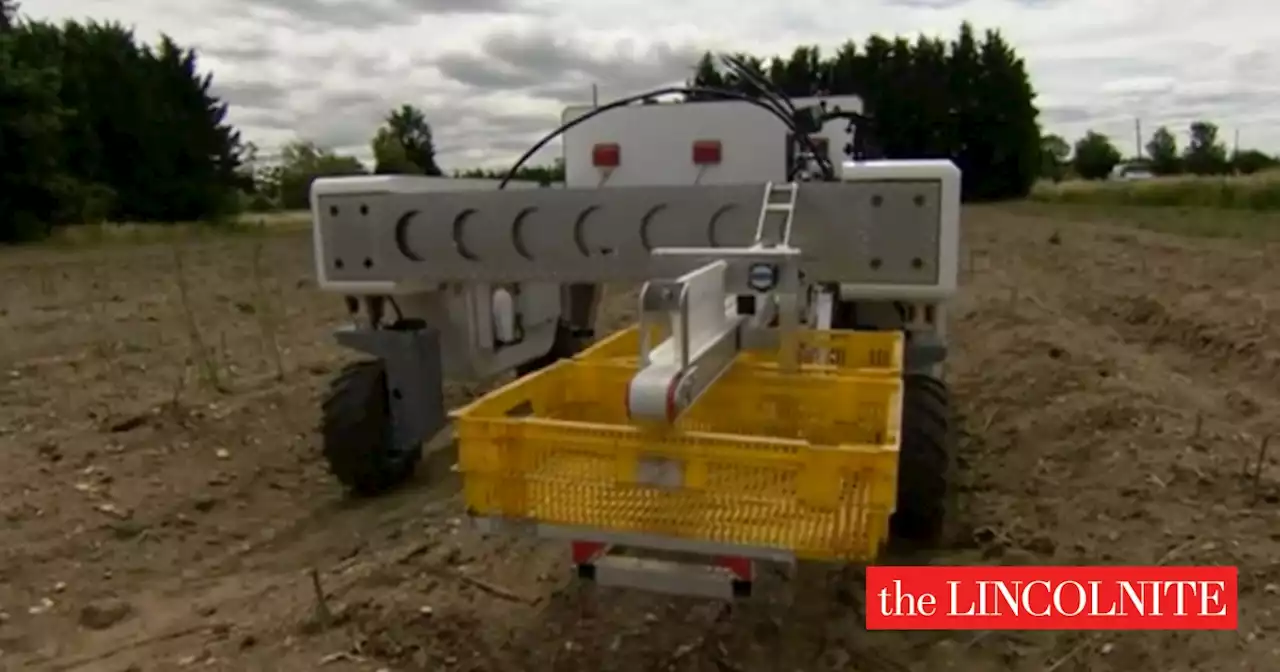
pixel 164 506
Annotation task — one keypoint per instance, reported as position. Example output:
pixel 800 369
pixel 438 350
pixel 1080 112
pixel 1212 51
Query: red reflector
pixel 606 155
pixel 706 152
pixel 585 551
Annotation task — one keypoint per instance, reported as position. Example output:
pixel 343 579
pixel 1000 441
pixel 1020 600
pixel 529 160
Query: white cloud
pixel 493 74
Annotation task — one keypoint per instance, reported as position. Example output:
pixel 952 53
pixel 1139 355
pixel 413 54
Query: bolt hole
pixel 395 394
pixel 364 209
pixel 876 263
pixel 368 263
pixel 917 263
pixel 333 210
pixel 337 263
pixel 918 200
pixel 877 200
pixel 606 251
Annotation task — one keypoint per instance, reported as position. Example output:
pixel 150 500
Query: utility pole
pixel 595 96
pixel 1137 136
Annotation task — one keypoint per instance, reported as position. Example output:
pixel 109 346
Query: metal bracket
pixel 669 577
pixel 924 350
pixel 704 340
pixel 414 378
pixel 705 329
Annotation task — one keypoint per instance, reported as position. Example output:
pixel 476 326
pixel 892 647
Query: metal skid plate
pixel 646 563
pixel 870 232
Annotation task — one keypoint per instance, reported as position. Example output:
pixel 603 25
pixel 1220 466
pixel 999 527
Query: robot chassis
pixel 481 282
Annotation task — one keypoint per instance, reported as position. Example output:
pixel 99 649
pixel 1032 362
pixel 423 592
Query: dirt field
pixel 1115 385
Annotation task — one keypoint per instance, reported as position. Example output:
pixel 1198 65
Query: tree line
pixel 1095 156
pixel 966 99
pixel 101 127
pixel 402 145
pixel 97 127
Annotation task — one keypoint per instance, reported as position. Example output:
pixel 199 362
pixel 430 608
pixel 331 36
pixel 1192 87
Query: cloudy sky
pixel 493 74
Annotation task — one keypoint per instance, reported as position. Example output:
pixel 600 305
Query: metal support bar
pixel 704 340
pixel 889 233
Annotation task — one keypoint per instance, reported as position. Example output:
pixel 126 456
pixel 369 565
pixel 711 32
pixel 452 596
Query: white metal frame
pixel 656 142
pixel 947 175
pixel 697 305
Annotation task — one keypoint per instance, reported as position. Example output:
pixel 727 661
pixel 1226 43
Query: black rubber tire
pixel 924 463
pixel 357 434
pixel 564 346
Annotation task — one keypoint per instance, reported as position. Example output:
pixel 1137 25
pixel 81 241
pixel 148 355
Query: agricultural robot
pixel 780 398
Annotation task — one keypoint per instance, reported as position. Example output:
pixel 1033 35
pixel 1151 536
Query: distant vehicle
pixel 1131 171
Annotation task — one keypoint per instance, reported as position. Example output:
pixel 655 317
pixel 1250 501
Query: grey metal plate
pixel 865 232
pixel 660 576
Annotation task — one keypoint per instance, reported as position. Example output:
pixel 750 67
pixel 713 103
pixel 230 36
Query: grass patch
pixel 1255 193
pixel 1198 222
pixel 253 224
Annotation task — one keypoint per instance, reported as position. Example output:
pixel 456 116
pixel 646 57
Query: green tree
pixel 268 188
pixel 706 74
pixel 301 162
pixel 259 183
pixel 1009 140
pixel 800 75
pixel 928 74
pixel 1250 161
pixel 755 67
pixel 1162 152
pixel 1204 154
pixel 970 101
pixel 30 128
pixel 142 137
pixel 100 126
pixel 544 175
pixel 1095 156
pixel 390 157
pixel 405 140
pixel 1054 152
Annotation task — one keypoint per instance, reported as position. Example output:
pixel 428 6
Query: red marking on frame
pixel 706 152
pixel 742 568
pixel 584 552
pixel 606 155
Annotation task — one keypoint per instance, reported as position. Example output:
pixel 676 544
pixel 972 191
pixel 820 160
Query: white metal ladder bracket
pixel 770 206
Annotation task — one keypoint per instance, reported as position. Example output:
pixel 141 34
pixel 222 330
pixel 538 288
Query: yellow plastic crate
pixel 865 353
pixel 806 463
